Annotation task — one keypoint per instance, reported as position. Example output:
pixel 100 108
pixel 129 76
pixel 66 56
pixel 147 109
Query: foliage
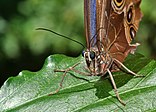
pixel 29 90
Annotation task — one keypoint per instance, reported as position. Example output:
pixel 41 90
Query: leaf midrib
pixel 121 93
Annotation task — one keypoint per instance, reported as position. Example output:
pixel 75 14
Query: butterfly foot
pixel 139 76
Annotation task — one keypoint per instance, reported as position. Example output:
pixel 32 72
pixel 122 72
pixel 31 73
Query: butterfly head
pixel 97 62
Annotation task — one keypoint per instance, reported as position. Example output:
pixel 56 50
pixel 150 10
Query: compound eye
pixel 92 55
pixel 83 52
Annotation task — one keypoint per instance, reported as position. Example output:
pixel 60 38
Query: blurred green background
pixel 24 48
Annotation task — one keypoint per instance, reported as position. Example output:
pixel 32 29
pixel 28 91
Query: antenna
pixel 45 29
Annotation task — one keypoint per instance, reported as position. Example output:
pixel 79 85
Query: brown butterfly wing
pixel 119 21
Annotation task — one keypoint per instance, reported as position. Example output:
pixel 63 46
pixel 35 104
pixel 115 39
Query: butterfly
pixel 110 27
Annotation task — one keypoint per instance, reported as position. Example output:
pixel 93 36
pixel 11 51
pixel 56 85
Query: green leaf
pixel 28 92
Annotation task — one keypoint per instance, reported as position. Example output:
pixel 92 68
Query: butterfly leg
pixel 128 70
pixel 115 88
pixel 60 85
pixel 72 68
pixel 61 82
